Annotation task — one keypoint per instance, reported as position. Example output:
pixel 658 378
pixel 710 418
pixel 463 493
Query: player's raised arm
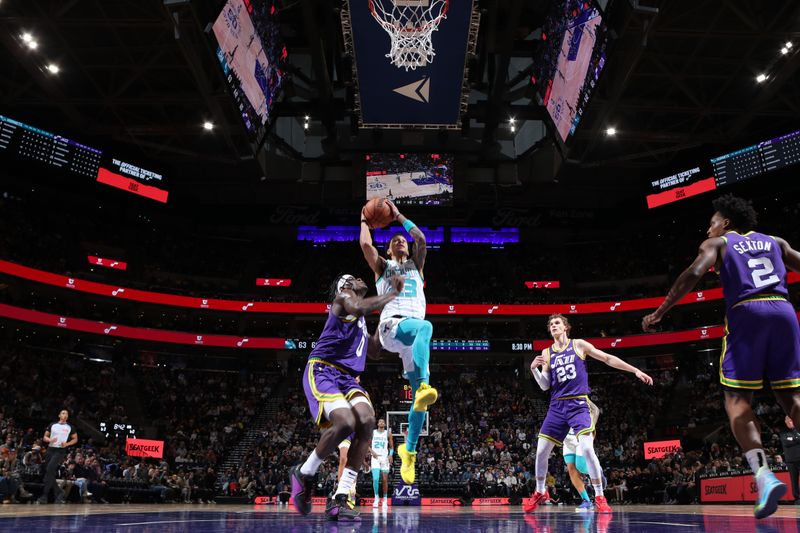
pixel 542 376
pixel 420 244
pixel 354 305
pixel 706 258
pixel 587 348
pixel 791 257
pixel 374 260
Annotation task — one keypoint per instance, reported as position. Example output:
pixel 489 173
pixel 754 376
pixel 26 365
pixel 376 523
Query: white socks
pixel 311 465
pixel 348 481
pixel 756 459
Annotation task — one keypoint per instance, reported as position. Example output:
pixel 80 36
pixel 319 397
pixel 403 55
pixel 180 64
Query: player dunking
pixel 762 337
pixel 564 372
pixel 382 450
pixel 334 397
pixel 403 328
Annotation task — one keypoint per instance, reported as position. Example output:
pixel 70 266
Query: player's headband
pixel 343 280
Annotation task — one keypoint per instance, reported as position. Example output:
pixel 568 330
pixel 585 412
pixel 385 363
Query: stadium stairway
pixel 248 440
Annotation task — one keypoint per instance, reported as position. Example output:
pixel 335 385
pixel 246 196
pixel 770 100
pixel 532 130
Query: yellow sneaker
pixel 426 395
pixel 408 463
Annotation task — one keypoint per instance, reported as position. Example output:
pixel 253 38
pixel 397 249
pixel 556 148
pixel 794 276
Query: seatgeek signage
pixel 144 448
pixel 658 449
pixel 393 96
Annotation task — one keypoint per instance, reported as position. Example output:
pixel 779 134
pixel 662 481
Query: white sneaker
pixel 385 503
pixel 375 502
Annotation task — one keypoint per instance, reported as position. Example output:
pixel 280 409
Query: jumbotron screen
pixel 250 51
pixel 411 179
pixel 572 57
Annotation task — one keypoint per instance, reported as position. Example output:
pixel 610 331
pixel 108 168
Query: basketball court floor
pixel 240 518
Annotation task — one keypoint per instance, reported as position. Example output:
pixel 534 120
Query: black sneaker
pixel 302 487
pixel 338 509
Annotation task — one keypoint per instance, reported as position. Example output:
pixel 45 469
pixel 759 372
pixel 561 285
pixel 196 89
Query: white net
pixel 410 25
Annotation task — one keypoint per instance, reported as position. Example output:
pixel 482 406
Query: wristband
pixel 391 452
pixel 408 225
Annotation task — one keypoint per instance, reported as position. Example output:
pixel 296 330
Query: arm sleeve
pixel 542 377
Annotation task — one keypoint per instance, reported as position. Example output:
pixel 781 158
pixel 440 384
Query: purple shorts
pixel 324 382
pixel 762 339
pixel 563 415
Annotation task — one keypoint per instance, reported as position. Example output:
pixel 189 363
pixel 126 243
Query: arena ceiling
pixel 680 75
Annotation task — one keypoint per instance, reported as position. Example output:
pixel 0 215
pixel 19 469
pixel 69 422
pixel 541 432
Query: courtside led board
pixel 403 82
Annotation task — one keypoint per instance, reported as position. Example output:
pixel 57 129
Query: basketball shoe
pixel 426 395
pixel 338 509
pixel 602 505
pixel 408 463
pixel 302 486
pixel 534 501
pixel 770 491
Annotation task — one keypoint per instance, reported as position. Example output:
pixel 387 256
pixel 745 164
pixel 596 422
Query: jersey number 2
pixel 762 267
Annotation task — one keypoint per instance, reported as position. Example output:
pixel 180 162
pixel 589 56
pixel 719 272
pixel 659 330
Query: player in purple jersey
pixel 336 400
pixel 762 336
pixel 564 373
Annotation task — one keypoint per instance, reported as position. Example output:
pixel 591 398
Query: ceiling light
pixel 511 120
pixel 53 68
pixel 784 50
pixel 761 78
pixel 611 131
pixel 208 126
pixel 27 37
pixel 33 45
pixel 788 44
pixel 513 128
pixel 308 118
pixel 305 125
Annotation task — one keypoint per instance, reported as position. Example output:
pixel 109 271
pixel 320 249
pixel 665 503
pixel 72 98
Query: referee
pixel 59 436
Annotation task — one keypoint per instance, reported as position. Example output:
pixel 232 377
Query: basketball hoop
pixel 410 25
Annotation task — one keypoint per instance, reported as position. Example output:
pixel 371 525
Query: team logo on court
pixel 62 322
pixel 71 283
pixel 204 303
pixel 198 339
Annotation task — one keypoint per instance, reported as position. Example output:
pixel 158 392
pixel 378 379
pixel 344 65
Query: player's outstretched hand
pixel 649 321
pixel 644 378
pixel 398 283
pixel 537 362
pixel 395 211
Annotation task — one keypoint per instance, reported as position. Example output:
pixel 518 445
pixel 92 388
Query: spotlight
pixel 761 78
pixel 784 50
pixel 513 128
pixel 33 45
pixel 305 125
pixel 208 125
pixel 308 118
pixel 511 120
pixel 53 68
pixel 611 131
pixel 788 44
pixel 27 37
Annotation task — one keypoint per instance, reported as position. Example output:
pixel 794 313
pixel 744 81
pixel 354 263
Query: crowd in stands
pixel 481 441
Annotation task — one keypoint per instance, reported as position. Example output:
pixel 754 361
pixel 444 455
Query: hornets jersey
pixel 380 442
pixel 411 302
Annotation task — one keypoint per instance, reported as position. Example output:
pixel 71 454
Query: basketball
pixel 378 213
